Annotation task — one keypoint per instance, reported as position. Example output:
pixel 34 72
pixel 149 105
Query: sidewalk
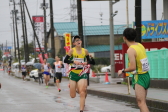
pixel 156 98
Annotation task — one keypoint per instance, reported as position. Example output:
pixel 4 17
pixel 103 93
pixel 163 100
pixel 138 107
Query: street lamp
pixel 111 14
pixel 114 14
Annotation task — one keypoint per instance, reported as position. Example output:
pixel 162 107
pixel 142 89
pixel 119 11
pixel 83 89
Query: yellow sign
pixel 68 42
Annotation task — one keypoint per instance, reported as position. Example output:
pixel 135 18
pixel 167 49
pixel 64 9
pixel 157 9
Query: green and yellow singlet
pixel 78 57
pixel 142 64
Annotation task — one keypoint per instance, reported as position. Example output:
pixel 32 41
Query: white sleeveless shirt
pixel 57 65
pixel 46 68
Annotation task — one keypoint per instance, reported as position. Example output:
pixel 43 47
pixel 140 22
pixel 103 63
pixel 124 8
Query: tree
pixel 30 47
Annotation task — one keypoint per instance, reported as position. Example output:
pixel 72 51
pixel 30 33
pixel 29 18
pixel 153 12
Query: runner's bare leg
pixel 45 78
pixel 141 98
pixel 72 89
pixel 82 86
pixel 57 83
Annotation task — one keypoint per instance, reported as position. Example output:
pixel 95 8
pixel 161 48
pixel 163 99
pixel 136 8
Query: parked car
pixel 34 74
pixel 106 69
pixel 32 61
pixel 21 61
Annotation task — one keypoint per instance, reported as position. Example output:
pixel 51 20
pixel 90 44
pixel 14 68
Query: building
pixel 96 38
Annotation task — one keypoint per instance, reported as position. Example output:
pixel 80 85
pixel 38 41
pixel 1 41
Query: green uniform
pixel 141 75
pixel 74 74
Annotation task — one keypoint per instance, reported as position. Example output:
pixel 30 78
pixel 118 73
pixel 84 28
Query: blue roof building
pixel 97 36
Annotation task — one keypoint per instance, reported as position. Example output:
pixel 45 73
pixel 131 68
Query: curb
pixel 152 103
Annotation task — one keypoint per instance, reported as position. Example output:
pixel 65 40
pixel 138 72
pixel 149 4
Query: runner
pixel 77 58
pixel 23 69
pixel 58 72
pixel 4 66
pixel 9 70
pixel 138 66
pixel 46 67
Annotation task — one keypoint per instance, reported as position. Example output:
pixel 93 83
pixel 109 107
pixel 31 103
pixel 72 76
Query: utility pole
pixel 34 43
pixel 80 26
pixel 13 17
pixel 45 36
pixel 127 15
pixel 111 40
pixel 6 46
pixel 138 20
pixel 111 16
pixel 2 48
pixel 17 36
pixel 153 12
pixel 25 28
pixel 52 31
pixel 23 31
pixel 84 36
pixel 33 28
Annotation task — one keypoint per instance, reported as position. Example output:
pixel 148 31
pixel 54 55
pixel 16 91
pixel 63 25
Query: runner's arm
pixel 132 58
pixel 87 57
pixel 49 67
pixel 66 60
pixel 92 61
pixel 62 65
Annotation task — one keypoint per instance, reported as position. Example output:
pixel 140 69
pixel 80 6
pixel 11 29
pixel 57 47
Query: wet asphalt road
pixel 29 96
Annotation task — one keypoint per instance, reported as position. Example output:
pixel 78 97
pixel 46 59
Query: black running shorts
pixel 24 73
pixel 58 75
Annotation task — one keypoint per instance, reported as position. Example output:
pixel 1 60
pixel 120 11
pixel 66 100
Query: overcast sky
pixel 91 14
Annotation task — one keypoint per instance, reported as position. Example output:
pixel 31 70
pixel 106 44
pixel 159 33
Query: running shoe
pixel 81 110
pixel 59 90
pixel 46 86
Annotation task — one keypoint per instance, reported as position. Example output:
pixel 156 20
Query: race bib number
pixel 145 65
pixel 79 60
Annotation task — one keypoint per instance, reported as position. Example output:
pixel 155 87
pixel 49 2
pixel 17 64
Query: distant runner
pixel 23 69
pixel 9 70
pixel 46 67
pixel 58 72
